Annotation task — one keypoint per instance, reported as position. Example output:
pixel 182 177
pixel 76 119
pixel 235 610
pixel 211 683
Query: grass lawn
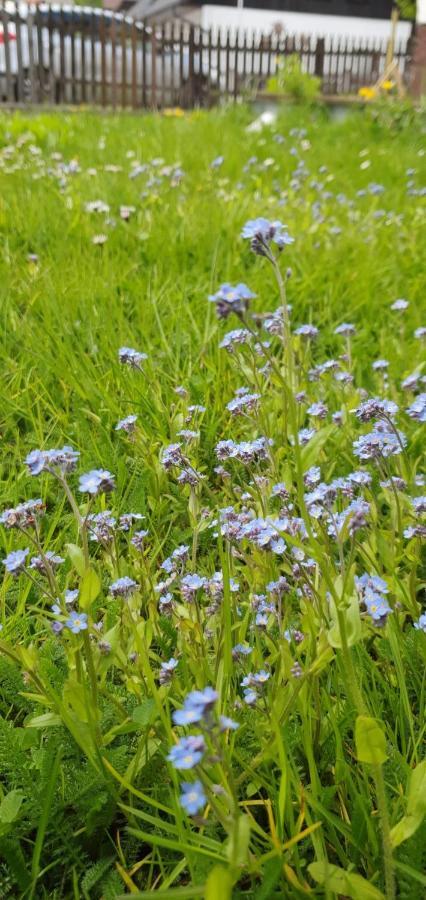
pixel 114 232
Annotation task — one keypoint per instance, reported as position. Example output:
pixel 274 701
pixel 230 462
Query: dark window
pixel 371 9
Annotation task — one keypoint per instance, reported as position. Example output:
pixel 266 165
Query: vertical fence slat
pixel 259 61
pixel 209 66
pixel 31 66
pixel 256 60
pixel 83 74
pixel 330 47
pixel 244 59
pixel 181 68
pixel 39 36
pixel 73 59
pixel 144 39
pixel 218 47
pixel 344 71
pixel 332 72
pixel 168 86
pixel 113 63
pixel 364 61
pixel 10 94
pixel 174 60
pixel 227 61
pixel 51 66
pixel 236 56
pixel 102 35
pixel 190 98
pixel 133 37
pixel 338 62
pixel 61 94
pixel 248 61
pixel 355 66
pixel 123 45
pixel 198 68
pixel 153 103
pixel 163 66
pixel 268 55
pixel 319 57
pixel 20 92
pixel 93 38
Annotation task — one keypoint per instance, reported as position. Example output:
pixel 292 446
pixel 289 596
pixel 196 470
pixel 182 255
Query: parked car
pixel 77 54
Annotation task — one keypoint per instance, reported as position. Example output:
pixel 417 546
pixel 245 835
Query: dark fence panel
pixel 80 56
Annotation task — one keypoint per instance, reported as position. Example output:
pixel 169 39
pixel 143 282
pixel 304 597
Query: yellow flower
pixel 388 85
pixel 368 93
pixel 175 112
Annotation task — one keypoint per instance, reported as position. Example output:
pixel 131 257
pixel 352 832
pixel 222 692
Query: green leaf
pixel 90 587
pixel 417 790
pixel 311 452
pixel 157 840
pixel 47 720
pixel 416 807
pixel 145 713
pixel 341 882
pixel 271 875
pixel 219 884
pixel 77 558
pixel 412 873
pixel 370 741
pixel 194 507
pixel 404 829
pixel 11 852
pixel 44 817
pixel 180 893
pixel 10 806
pixel 352 617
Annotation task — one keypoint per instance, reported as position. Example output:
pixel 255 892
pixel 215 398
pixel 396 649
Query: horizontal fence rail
pixel 69 55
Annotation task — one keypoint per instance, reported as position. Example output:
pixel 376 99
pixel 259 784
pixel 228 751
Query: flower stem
pixel 382 806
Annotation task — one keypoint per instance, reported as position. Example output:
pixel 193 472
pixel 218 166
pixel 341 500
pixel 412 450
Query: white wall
pixel 261 20
pixel 421 12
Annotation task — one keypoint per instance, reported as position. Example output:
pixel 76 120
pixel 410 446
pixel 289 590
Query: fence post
pixel 40 61
pixel 153 67
pixel 93 40
pixel 144 40
pixel 134 68
pixel 52 81
pixel 181 37
pixel 83 34
pixel 236 57
pixel 73 60
pixel 191 51
pixel 102 35
pixel 9 86
pixel 124 45
pixel 31 64
pixel 418 59
pixel 319 57
pixel 20 82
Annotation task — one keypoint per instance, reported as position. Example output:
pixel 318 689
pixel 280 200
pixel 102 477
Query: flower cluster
pixel 261 233
pixel 229 299
pixel 54 461
pixel 372 591
pixel 193 750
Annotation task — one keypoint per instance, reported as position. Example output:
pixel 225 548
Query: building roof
pixel 151 8
pixel 146 9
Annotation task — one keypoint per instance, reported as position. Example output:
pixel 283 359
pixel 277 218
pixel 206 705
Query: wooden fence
pixel 80 56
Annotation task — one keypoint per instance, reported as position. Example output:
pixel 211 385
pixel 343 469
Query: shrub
pixel 292 81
